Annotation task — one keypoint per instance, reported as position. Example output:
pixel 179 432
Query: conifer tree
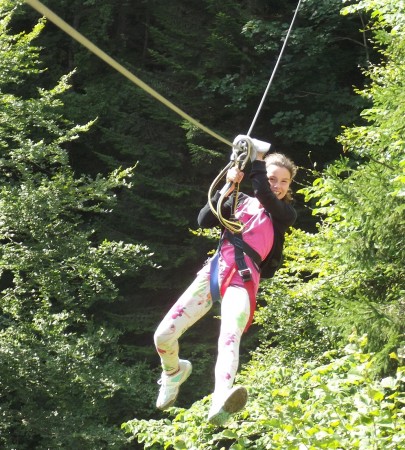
pixel 349 275
pixel 63 383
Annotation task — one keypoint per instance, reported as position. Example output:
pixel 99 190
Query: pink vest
pixel 258 232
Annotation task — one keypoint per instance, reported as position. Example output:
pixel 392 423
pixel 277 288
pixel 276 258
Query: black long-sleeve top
pixel 282 214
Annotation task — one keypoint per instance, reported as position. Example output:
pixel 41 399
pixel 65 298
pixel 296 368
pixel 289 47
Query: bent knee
pixel 164 336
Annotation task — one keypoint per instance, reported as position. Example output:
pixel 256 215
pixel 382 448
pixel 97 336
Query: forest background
pixel 100 188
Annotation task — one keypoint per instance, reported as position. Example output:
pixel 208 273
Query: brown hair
pixel 280 160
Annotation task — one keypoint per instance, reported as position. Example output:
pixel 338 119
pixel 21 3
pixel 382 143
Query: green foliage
pixel 294 302
pixel 330 402
pixel 19 57
pixel 349 275
pixel 63 383
pixel 361 201
pixel 311 95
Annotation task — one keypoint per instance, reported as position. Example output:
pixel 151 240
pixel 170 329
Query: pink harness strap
pixel 249 286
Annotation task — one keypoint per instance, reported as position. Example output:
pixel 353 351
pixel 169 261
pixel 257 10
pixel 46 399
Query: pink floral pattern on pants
pixel 192 306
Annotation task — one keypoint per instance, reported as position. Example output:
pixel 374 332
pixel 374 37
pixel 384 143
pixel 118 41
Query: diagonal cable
pixel 42 9
pixel 274 70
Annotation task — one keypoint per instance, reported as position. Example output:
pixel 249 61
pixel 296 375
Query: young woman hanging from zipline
pixel 231 276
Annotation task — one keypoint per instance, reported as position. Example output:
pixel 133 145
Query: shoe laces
pixel 165 380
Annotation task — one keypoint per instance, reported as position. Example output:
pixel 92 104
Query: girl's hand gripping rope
pixel 243 149
pixel 260 149
pixel 233 176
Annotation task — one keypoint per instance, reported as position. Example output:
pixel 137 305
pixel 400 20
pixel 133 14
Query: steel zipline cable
pixel 242 150
pixel 275 69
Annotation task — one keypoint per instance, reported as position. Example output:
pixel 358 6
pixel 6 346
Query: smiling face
pixel 279 179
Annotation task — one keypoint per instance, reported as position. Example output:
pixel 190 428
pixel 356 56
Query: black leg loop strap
pixel 241 248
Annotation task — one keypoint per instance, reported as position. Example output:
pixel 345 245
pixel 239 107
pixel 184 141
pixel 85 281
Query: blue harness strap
pixel 214 281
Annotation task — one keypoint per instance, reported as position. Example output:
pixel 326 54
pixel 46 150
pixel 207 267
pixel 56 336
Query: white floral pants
pixel 195 302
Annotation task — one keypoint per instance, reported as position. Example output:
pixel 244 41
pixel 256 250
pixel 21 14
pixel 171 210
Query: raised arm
pixel 280 210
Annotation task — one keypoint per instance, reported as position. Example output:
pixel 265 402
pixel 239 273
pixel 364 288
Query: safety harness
pixel 244 148
pixel 241 249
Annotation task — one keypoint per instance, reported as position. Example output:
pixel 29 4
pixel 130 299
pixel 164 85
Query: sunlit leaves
pixel 329 402
pixel 59 360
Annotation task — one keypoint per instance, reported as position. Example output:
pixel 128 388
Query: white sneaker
pixel 234 400
pixel 170 385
